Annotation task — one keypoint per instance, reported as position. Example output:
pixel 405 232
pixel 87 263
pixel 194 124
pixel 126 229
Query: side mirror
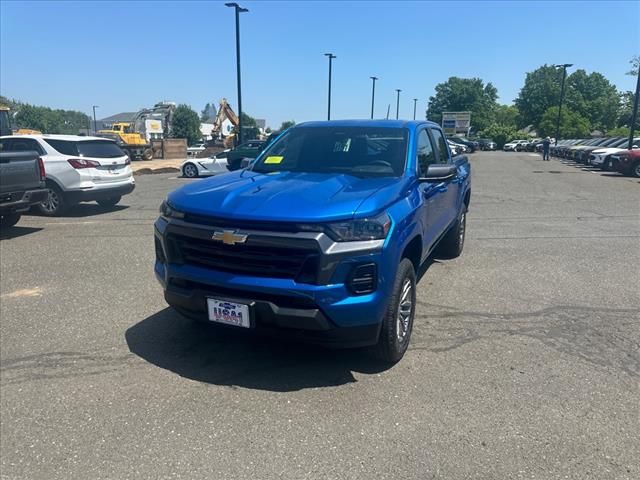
pixel 439 173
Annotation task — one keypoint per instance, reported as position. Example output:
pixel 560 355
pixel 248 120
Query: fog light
pixel 363 279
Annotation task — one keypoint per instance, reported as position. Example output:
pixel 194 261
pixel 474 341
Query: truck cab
pixel 322 237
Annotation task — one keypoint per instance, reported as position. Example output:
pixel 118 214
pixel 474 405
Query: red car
pixel 628 162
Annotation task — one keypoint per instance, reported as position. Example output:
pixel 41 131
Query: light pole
pixel 95 123
pixel 238 10
pixel 415 103
pixel 564 67
pixel 331 57
pixel 634 115
pixel 397 102
pixel 373 94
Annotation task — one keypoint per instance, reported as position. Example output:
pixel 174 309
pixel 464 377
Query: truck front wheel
pixel 147 154
pixel 397 324
pixel 9 219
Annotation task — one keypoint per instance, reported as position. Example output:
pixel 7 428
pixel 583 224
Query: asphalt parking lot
pixel 524 362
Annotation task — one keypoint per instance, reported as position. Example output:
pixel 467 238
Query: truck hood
pixel 287 196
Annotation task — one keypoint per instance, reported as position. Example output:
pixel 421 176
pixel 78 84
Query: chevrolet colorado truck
pixel 22 180
pixel 322 237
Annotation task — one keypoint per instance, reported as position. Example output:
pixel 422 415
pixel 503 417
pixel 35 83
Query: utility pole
pixel 95 123
pixel 397 103
pixel 564 76
pixel 373 94
pixel 415 103
pixel 634 116
pixel 238 10
pixel 388 108
pixel 331 57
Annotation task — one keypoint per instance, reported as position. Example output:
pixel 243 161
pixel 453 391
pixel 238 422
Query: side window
pixel 6 145
pixel 443 148
pixel 26 145
pixel 426 155
pixel 63 146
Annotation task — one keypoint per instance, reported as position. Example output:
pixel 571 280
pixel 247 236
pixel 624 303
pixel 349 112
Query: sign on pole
pixel 454 123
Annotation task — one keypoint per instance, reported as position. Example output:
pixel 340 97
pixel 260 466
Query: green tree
pixel 541 91
pixel 501 133
pixel 618 132
pixel 572 124
pixel 593 97
pixel 287 124
pixel 465 94
pixel 635 65
pixel 208 112
pixel 186 124
pixel 507 115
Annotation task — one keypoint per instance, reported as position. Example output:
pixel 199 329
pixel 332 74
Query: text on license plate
pixel 230 313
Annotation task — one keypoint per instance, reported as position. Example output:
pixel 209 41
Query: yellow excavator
pixel 5 125
pixel 134 143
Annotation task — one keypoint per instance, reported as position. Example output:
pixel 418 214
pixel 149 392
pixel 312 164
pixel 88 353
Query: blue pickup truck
pixel 320 239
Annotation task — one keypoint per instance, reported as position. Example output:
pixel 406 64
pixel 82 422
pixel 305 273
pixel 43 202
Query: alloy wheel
pixel 405 310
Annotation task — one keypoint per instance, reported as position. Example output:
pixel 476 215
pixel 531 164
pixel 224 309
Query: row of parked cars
pixel 607 153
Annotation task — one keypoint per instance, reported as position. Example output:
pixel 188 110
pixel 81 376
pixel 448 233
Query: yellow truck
pixel 134 143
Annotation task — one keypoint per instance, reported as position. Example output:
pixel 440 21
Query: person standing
pixel 546 145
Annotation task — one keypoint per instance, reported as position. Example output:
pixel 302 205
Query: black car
pixel 487 144
pixel 472 145
pixel 250 150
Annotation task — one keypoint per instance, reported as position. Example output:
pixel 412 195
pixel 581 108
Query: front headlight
pixel 375 228
pixel 166 210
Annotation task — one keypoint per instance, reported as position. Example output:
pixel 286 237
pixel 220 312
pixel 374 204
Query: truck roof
pixel 71 138
pixel 411 124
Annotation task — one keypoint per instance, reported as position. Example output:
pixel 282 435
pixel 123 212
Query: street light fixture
pixel 415 103
pixel 564 67
pixel 95 123
pixel 331 57
pixel 238 10
pixel 397 102
pixel 373 94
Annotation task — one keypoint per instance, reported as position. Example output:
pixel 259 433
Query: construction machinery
pixel 5 125
pixel 225 122
pixel 148 124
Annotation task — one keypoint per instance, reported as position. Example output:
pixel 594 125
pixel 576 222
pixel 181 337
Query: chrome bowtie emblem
pixel 229 237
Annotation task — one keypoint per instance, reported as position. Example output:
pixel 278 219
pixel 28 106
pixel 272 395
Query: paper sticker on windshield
pixel 273 159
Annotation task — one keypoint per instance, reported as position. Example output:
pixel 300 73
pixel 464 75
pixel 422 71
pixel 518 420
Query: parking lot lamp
pixel 95 123
pixel 415 104
pixel 331 57
pixel 564 67
pixel 397 102
pixel 238 9
pixel 634 115
pixel 373 94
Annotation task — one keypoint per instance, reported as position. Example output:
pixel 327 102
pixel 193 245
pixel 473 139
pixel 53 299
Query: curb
pixel 148 171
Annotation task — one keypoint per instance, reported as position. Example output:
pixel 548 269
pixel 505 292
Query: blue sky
pixel 124 56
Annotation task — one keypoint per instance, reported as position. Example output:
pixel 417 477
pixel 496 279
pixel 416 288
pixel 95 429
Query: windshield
pixel 359 151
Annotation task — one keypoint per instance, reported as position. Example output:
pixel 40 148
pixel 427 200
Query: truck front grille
pixel 256 257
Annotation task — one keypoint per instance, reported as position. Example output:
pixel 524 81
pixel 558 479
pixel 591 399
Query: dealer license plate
pixel 229 313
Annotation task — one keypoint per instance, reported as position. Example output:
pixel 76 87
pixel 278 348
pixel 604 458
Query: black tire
pixel 189 170
pixel 397 324
pixel 147 154
pixel 635 170
pixel 109 202
pixel 9 220
pixel 606 165
pixel 55 203
pixel 452 243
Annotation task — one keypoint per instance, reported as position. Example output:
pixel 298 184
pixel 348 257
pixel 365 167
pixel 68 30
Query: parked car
pixel 573 152
pixel 471 145
pixel 584 154
pixel 457 148
pixel 250 149
pixel 558 150
pixel 317 240
pixel 487 144
pixel 627 162
pixel 601 157
pixel 78 169
pixel 22 180
pixel 530 146
pixel 204 167
pixel 514 146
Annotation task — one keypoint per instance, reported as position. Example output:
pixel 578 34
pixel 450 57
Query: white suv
pixel 515 145
pixel 78 169
pixel 601 157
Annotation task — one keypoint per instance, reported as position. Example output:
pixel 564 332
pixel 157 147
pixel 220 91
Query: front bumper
pixel 325 312
pixel 22 201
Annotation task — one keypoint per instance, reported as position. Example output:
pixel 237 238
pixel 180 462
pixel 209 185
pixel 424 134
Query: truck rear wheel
pixel 9 219
pixel 397 324
pixel 147 154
